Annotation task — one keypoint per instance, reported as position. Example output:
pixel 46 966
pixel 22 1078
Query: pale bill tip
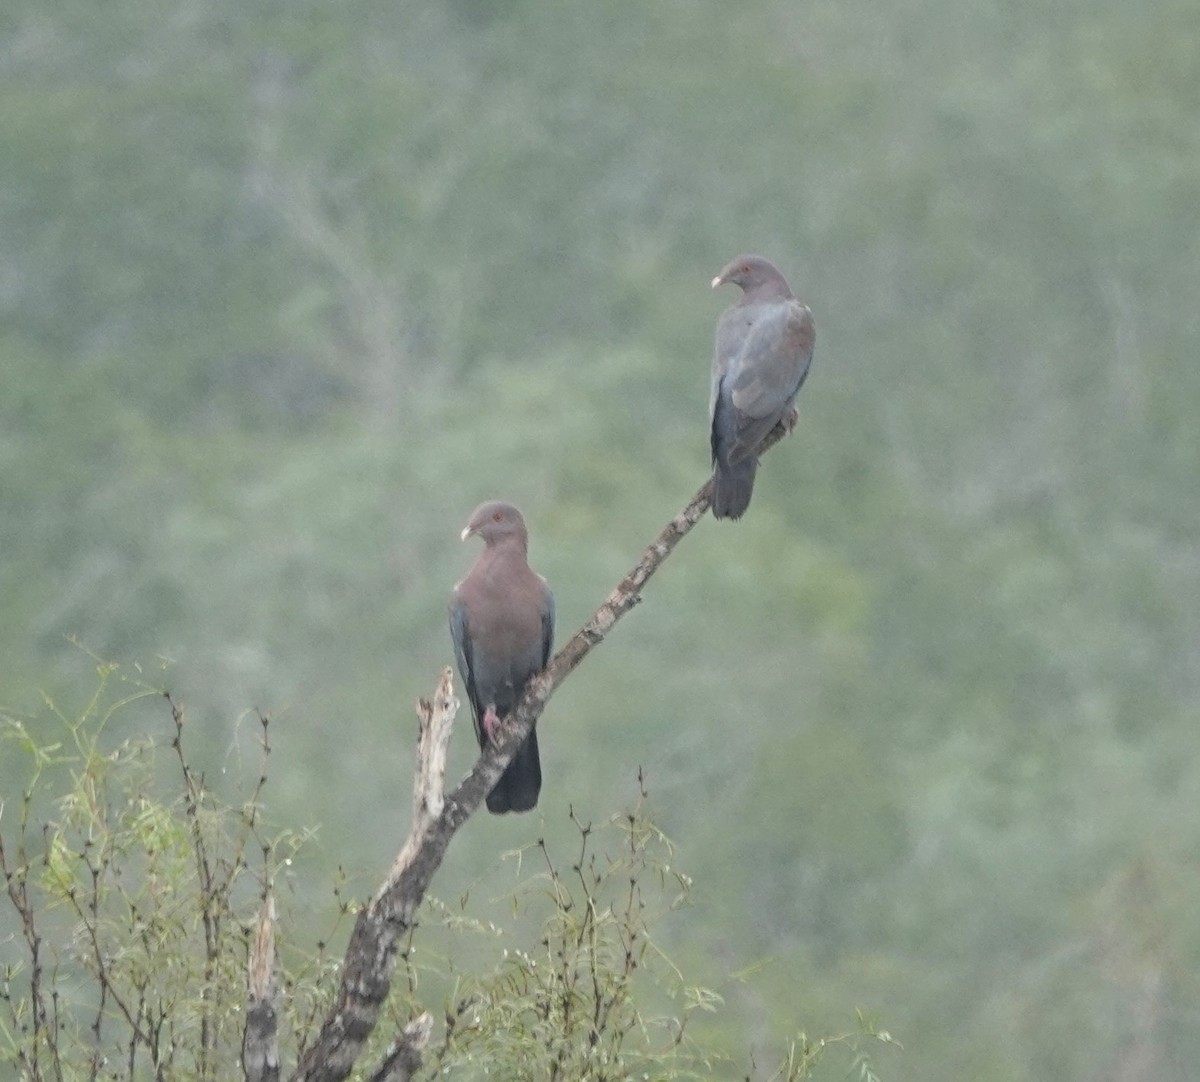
pixel 716 281
pixel 465 534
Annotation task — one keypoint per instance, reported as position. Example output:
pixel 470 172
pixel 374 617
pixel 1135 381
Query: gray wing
pixel 460 633
pixel 767 373
pixel 773 360
pixel 732 330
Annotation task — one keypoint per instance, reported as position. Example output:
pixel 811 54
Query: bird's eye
pixel 746 269
pixel 497 517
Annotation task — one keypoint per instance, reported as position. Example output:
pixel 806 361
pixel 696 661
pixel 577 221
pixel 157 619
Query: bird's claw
pixel 490 722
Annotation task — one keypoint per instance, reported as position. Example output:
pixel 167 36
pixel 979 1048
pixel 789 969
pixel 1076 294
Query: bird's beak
pixel 718 281
pixel 467 531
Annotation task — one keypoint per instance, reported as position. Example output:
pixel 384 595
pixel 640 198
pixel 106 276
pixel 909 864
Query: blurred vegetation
pixel 286 291
pixel 135 888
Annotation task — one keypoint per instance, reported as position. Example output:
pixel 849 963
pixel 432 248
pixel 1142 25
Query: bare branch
pixel 260 1043
pixel 437 723
pixel 370 955
pixel 403 1058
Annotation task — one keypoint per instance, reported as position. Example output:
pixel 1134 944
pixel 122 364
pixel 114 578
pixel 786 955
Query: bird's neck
pixel 507 548
pixel 767 291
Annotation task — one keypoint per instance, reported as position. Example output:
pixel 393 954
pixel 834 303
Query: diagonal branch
pixel 370 955
pixel 627 594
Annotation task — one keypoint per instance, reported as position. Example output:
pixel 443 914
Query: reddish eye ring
pixel 497 517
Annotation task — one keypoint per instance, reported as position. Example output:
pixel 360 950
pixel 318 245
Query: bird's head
pixel 751 272
pixel 494 521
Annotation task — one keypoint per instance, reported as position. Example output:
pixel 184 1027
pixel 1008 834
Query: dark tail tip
pixel 732 488
pixel 519 785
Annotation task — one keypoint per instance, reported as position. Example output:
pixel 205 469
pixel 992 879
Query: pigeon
pixel 502 624
pixel 764 347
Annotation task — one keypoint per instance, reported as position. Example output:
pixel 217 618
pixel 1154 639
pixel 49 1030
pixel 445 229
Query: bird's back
pixel 762 352
pixel 773 360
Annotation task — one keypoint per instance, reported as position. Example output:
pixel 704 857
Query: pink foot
pixel 490 722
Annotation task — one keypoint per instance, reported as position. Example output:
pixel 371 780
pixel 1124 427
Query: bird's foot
pixel 790 420
pixel 491 722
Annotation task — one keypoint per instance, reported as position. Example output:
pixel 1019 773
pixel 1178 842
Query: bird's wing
pixel 460 633
pixel 732 329
pixel 773 361
pixel 767 374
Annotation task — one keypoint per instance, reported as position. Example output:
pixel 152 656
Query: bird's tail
pixel 519 785
pixel 733 484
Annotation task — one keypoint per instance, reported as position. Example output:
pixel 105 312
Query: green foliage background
pixel 287 289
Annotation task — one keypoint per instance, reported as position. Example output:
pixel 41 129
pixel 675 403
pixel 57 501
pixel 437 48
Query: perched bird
pixel 502 624
pixel 763 349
